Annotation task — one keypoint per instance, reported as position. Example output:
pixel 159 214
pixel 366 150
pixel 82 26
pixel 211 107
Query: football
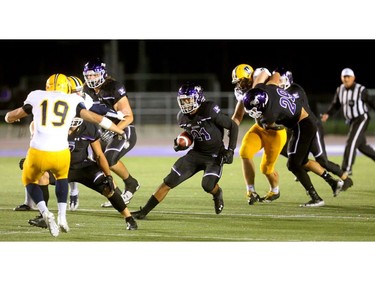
pixel 184 139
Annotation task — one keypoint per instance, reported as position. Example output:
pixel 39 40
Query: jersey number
pixel 287 101
pixel 202 134
pixel 60 109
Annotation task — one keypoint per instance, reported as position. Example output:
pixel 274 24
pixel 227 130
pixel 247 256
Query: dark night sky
pixel 316 64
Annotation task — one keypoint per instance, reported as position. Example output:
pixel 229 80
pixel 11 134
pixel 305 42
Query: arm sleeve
pixel 227 123
pixel 28 108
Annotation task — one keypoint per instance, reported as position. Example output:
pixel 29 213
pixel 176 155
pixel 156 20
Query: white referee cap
pixel 347 72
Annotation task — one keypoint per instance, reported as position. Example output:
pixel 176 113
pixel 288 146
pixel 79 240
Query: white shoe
pixel 63 225
pixel 106 204
pixel 74 202
pixel 49 218
pixel 128 194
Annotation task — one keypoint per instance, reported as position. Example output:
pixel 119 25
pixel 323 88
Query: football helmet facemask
pixel 76 122
pixel 286 80
pixel 190 97
pixel 58 82
pixel 255 102
pixel 94 73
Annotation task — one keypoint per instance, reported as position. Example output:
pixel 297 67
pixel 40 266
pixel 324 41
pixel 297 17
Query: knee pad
pixel 99 182
pixel 209 182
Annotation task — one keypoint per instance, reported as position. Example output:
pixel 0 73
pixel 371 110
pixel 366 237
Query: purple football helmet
pixel 286 80
pixel 190 97
pixel 255 102
pixel 94 73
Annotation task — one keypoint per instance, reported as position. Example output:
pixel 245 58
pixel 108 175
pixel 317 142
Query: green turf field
pixel 187 213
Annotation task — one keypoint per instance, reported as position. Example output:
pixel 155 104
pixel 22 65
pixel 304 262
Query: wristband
pixel 6 118
pixel 105 123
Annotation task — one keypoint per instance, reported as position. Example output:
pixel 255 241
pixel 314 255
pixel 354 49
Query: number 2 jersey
pixel 53 113
pixel 282 108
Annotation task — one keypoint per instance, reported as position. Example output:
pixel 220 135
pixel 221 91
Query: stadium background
pixel 152 70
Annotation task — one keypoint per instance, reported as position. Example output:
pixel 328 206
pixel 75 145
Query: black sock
pixel 131 182
pixel 45 191
pixel 313 194
pixel 327 177
pixel 151 203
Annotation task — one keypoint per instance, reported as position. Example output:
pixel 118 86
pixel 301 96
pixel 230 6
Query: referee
pixel 355 101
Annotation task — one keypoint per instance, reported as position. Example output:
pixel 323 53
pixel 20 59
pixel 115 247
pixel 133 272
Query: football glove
pixel 178 147
pixel 228 156
pixel 107 136
pixel 20 164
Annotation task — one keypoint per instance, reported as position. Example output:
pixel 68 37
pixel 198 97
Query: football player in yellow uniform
pixel 271 139
pixel 53 111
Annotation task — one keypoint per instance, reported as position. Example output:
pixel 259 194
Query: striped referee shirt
pixel 353 101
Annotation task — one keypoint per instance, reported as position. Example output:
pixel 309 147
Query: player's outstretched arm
pixel 103 122
pixel 15 115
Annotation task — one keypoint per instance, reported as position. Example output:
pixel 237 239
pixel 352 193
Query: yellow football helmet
pixel 75 84
pixel 58 82
pixel 242 71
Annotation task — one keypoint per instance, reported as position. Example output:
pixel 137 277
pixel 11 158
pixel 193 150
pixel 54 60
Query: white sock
pixel 73 188
pixel 250 187
pixel 62 212
pixel 42 207
pixel 275 189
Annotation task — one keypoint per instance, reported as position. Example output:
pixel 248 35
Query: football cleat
pixel 131 224
pixel 138 215
pixel 252 197
pixel 74 202
pixel 106 205
pixel 348 182
pixel 63 225
pixel 313 203
pixel 218 201
pixel 269 197
pixel 49 218
pixel 128 193
pixel 23 207
pixel 336 185
pixel 38 221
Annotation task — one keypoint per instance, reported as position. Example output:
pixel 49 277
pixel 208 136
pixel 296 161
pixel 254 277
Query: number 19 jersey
pixel 53 113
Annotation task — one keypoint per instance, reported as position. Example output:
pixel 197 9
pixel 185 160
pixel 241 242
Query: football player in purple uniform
pixel 274 106
pixel 107 93
pixel 205 122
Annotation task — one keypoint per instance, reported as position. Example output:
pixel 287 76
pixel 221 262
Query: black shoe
pixel 129 191
pixel 336 185
pixel 219 202
pixel 138 215
pixel 131 224
pixel 348 182
pixel 22 207
pixel 313 203
pixel 252 197
pixel 38 221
